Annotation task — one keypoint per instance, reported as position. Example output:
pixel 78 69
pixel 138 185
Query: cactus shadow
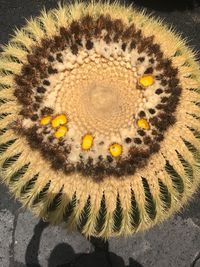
pixel 63 254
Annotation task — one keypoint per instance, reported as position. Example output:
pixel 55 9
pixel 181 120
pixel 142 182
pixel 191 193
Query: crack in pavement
pixel 12 245
pixel 196 260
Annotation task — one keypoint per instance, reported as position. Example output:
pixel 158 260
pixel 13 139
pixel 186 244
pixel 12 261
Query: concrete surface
pixel 26 241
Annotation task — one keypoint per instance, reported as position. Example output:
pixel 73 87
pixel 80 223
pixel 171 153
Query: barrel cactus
pixel 99 123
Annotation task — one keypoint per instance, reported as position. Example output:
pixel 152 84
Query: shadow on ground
pixel 63 254
pixel 167 5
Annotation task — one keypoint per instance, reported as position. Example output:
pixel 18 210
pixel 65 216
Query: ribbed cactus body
pixel 99 123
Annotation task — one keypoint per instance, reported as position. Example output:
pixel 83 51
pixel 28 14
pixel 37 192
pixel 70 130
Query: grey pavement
pixel 26 241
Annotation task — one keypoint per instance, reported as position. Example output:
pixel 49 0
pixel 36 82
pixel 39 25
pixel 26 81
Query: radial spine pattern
pixel 99 123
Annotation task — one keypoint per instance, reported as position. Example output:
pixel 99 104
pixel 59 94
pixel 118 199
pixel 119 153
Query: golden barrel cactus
pixel 100 110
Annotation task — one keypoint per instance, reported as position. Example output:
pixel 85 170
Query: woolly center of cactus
pixel 104 100
pixel 97 98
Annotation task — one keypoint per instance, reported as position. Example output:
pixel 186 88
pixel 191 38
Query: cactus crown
pixel 99 118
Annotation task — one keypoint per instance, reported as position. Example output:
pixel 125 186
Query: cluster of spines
pixel 135 216
pixel 135 213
